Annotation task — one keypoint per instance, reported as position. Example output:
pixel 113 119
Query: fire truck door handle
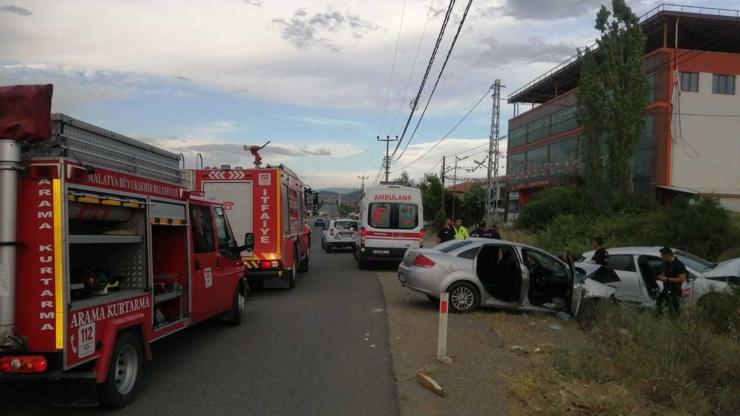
pixel 197 265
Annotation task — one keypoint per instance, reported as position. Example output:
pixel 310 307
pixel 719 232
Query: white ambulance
pixel 391 221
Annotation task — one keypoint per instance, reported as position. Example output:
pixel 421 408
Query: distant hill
pixel 342 191
pixel 350 196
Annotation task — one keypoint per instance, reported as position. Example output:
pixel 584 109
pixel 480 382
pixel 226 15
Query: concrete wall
pixel 705 152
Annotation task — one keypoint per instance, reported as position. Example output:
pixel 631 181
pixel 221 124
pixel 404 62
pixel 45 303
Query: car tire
pixel 125 372
pixel 328 248
pixel 234 316
pixel 303 267
pixel 362 263
pixel 293 271
pixel 323 244
pixel 464 297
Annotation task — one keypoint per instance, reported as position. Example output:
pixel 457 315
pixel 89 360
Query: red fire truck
pixel 267 205
pixel 103 253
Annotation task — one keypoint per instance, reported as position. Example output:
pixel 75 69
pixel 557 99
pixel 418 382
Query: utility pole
pixel 362 178
pixel 387 158
pixel 442 178
pixel 492 188
pixel 454 182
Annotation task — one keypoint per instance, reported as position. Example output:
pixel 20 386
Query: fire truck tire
pixel 125 372
pixel 234 317
pixel 293 271
pixel 304 264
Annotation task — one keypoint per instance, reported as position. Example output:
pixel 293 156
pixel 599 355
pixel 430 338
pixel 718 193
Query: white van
pixel 391 221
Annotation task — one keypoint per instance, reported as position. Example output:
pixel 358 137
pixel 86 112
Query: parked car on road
pixel 637 268
pixel 319 222
pixel 339 232
pixel 501 274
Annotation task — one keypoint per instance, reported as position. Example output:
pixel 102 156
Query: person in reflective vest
pixel 461 233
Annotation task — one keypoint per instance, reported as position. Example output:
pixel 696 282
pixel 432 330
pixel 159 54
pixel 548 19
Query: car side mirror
pixel 249 241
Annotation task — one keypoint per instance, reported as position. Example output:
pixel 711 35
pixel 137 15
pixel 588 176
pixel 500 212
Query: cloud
pixel 543 9
pixel 490 51
pixel 322 30
pixel 327 121
pixel 17 10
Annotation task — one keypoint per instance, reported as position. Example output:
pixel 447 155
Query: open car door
pixel 576 294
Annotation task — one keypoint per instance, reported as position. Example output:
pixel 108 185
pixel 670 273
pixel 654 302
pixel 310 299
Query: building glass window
pixel 563 156
pixel 518 137
pixel 538 129
pixel 564 120
pixel 642 161
pixel 690 81
pixel 537 162
pixel 517 165
pixel 651 87
pixel 723 84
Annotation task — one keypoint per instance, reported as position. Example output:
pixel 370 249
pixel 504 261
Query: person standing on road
pixel 461 233
pixel 480 231
pixel 492 232
pixel 446 233
pixel 601 256
pixel 674 274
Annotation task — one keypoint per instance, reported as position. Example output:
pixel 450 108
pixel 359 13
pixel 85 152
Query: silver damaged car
pixel 500 274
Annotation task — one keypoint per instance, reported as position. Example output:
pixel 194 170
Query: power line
pixel 393 68
pixel 413 67
pixel 485 94
pixel 439 76
pixel 415 102
pixel 390 83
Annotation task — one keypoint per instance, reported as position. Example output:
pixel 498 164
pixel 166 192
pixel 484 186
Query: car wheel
pixel 464 297
pixel 304 264
pixel 293 271
pixel 125 372
pixel 362 263
pixel 328 248
pixel 237 307
pixel 323 244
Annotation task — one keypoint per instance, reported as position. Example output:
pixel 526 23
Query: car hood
pixel 726 268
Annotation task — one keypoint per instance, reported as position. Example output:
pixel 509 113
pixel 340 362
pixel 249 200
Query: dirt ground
pixel 487 348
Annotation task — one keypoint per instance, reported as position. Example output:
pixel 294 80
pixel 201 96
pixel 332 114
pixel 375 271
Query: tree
pixel 611 100
pixel 431 196
pixel 473 206
pixel 403 179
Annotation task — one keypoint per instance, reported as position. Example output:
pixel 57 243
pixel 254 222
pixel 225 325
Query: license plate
pixel 382 252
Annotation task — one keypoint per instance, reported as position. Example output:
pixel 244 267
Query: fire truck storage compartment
pixel 169 261
pixel 107 246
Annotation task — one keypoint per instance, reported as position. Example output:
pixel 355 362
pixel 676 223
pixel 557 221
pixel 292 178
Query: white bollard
pixel 442 335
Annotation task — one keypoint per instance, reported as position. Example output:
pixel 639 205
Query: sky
pixel 317 79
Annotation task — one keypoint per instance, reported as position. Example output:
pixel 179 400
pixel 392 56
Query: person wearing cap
pixel 601 256
pixel 673 276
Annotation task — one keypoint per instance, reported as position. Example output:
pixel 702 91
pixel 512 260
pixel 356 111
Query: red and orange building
pixel 691 139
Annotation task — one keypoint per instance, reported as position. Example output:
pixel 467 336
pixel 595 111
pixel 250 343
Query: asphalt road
pixel 298 352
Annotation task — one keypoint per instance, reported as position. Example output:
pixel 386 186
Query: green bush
pixel 550 203
pixel 562 221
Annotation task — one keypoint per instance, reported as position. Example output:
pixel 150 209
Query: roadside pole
pixel 442 335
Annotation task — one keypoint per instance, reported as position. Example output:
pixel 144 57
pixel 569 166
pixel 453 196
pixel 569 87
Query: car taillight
pixel 421 238
pixel 363 234
pixel 331 232
pixel 23 364
pixel 269 264
pixel 424 261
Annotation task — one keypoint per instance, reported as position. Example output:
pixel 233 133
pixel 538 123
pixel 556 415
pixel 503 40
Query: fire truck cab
pixel 268 205
pixel 110 253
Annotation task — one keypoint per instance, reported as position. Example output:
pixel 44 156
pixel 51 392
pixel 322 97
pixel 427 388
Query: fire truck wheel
pixel 293 270
pixel 304 264
pixel 237 308
pixel 125 372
